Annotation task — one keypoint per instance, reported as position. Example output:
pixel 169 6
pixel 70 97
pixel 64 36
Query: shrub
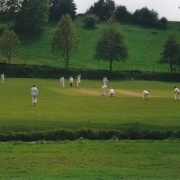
pixel 91 134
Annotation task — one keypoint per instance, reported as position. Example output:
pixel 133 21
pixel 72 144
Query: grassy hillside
pixel 144 48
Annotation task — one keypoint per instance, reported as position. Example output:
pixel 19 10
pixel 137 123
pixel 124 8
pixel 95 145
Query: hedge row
pixel 91 134
pixel 35 71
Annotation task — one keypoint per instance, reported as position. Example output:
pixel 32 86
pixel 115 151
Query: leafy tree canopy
pixel 61 7
pixel 9 43
pixel 171 52
pixel 145 17
pixel 90 20
pixel 63 39
pixel 32 15
pixel 111 45
pixel 104 9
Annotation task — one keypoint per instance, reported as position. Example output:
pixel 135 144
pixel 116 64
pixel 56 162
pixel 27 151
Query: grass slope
pixel 75 108
pixel 144 47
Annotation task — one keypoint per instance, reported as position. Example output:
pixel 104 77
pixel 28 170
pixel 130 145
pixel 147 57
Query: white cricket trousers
pixel 34 99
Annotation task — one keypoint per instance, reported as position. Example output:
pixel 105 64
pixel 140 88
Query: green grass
pixel 144 47
pixel 79 160
pixel 74 108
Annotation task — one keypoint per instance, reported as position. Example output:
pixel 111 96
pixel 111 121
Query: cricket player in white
pixel 104 87
pixel 34 94
pixel 2 77
pixel 176 93
pixel 62 80
pixel 111 92
pixel 145 94
pixel 105 80
pixel 71 81
pixel 78 80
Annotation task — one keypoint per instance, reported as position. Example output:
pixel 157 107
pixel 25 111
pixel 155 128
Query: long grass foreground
pixel 84 107
pixel 79 160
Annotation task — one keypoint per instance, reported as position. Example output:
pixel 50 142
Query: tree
pixel 32 15
pixel 63 39
pixel 90 20
pixel 62 7
pixel 122 15
pixel 111 45
pixel 9 43
pixel 162 23
pixel 104 9
pixel 170 55
pixel 145 17
pixel 9 9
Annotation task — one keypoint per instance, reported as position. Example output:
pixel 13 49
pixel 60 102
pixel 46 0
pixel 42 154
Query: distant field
pixel 77 108
pixel 144 48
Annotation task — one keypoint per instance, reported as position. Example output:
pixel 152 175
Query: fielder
pixel 105 80
pixel 104 87
pixel 2 77
pixel 62 80
pixel 78 80
pixel 111 92
pixel 145 94
pixel 71 81
pixel 34 94
pixel 176 93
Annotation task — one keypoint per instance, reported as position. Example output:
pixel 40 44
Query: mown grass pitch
pixel 77 108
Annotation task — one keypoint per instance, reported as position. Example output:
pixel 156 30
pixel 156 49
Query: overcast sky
pixel 165 8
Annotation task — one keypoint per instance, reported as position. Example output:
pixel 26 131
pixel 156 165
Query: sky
pixel 165 8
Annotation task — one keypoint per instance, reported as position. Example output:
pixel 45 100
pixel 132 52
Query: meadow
pixel 73 108
pixel 83 159
pixel 144 48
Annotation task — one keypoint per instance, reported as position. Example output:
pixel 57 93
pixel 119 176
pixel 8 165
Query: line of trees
pixel 30 15
pixel 104 9
pixel 111 44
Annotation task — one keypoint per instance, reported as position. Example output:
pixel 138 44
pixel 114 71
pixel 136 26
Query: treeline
pixel 104 9
pixel 31 15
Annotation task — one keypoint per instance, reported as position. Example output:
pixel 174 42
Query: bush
pixel 34 71
pixel 91 134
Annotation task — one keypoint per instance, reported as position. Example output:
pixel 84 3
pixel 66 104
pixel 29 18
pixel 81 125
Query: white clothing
pixel 176 93
pixel 71 81
pixel 105 80
pixel 111 92
pixel 2 78
pixel 34 94
pixel 62 80
pixel 104 89
pixel 145 94
pixel 78 80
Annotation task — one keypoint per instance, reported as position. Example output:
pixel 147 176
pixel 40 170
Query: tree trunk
pixel 67 61
pixel 9 58
pixel 171 67
pixel 110 65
